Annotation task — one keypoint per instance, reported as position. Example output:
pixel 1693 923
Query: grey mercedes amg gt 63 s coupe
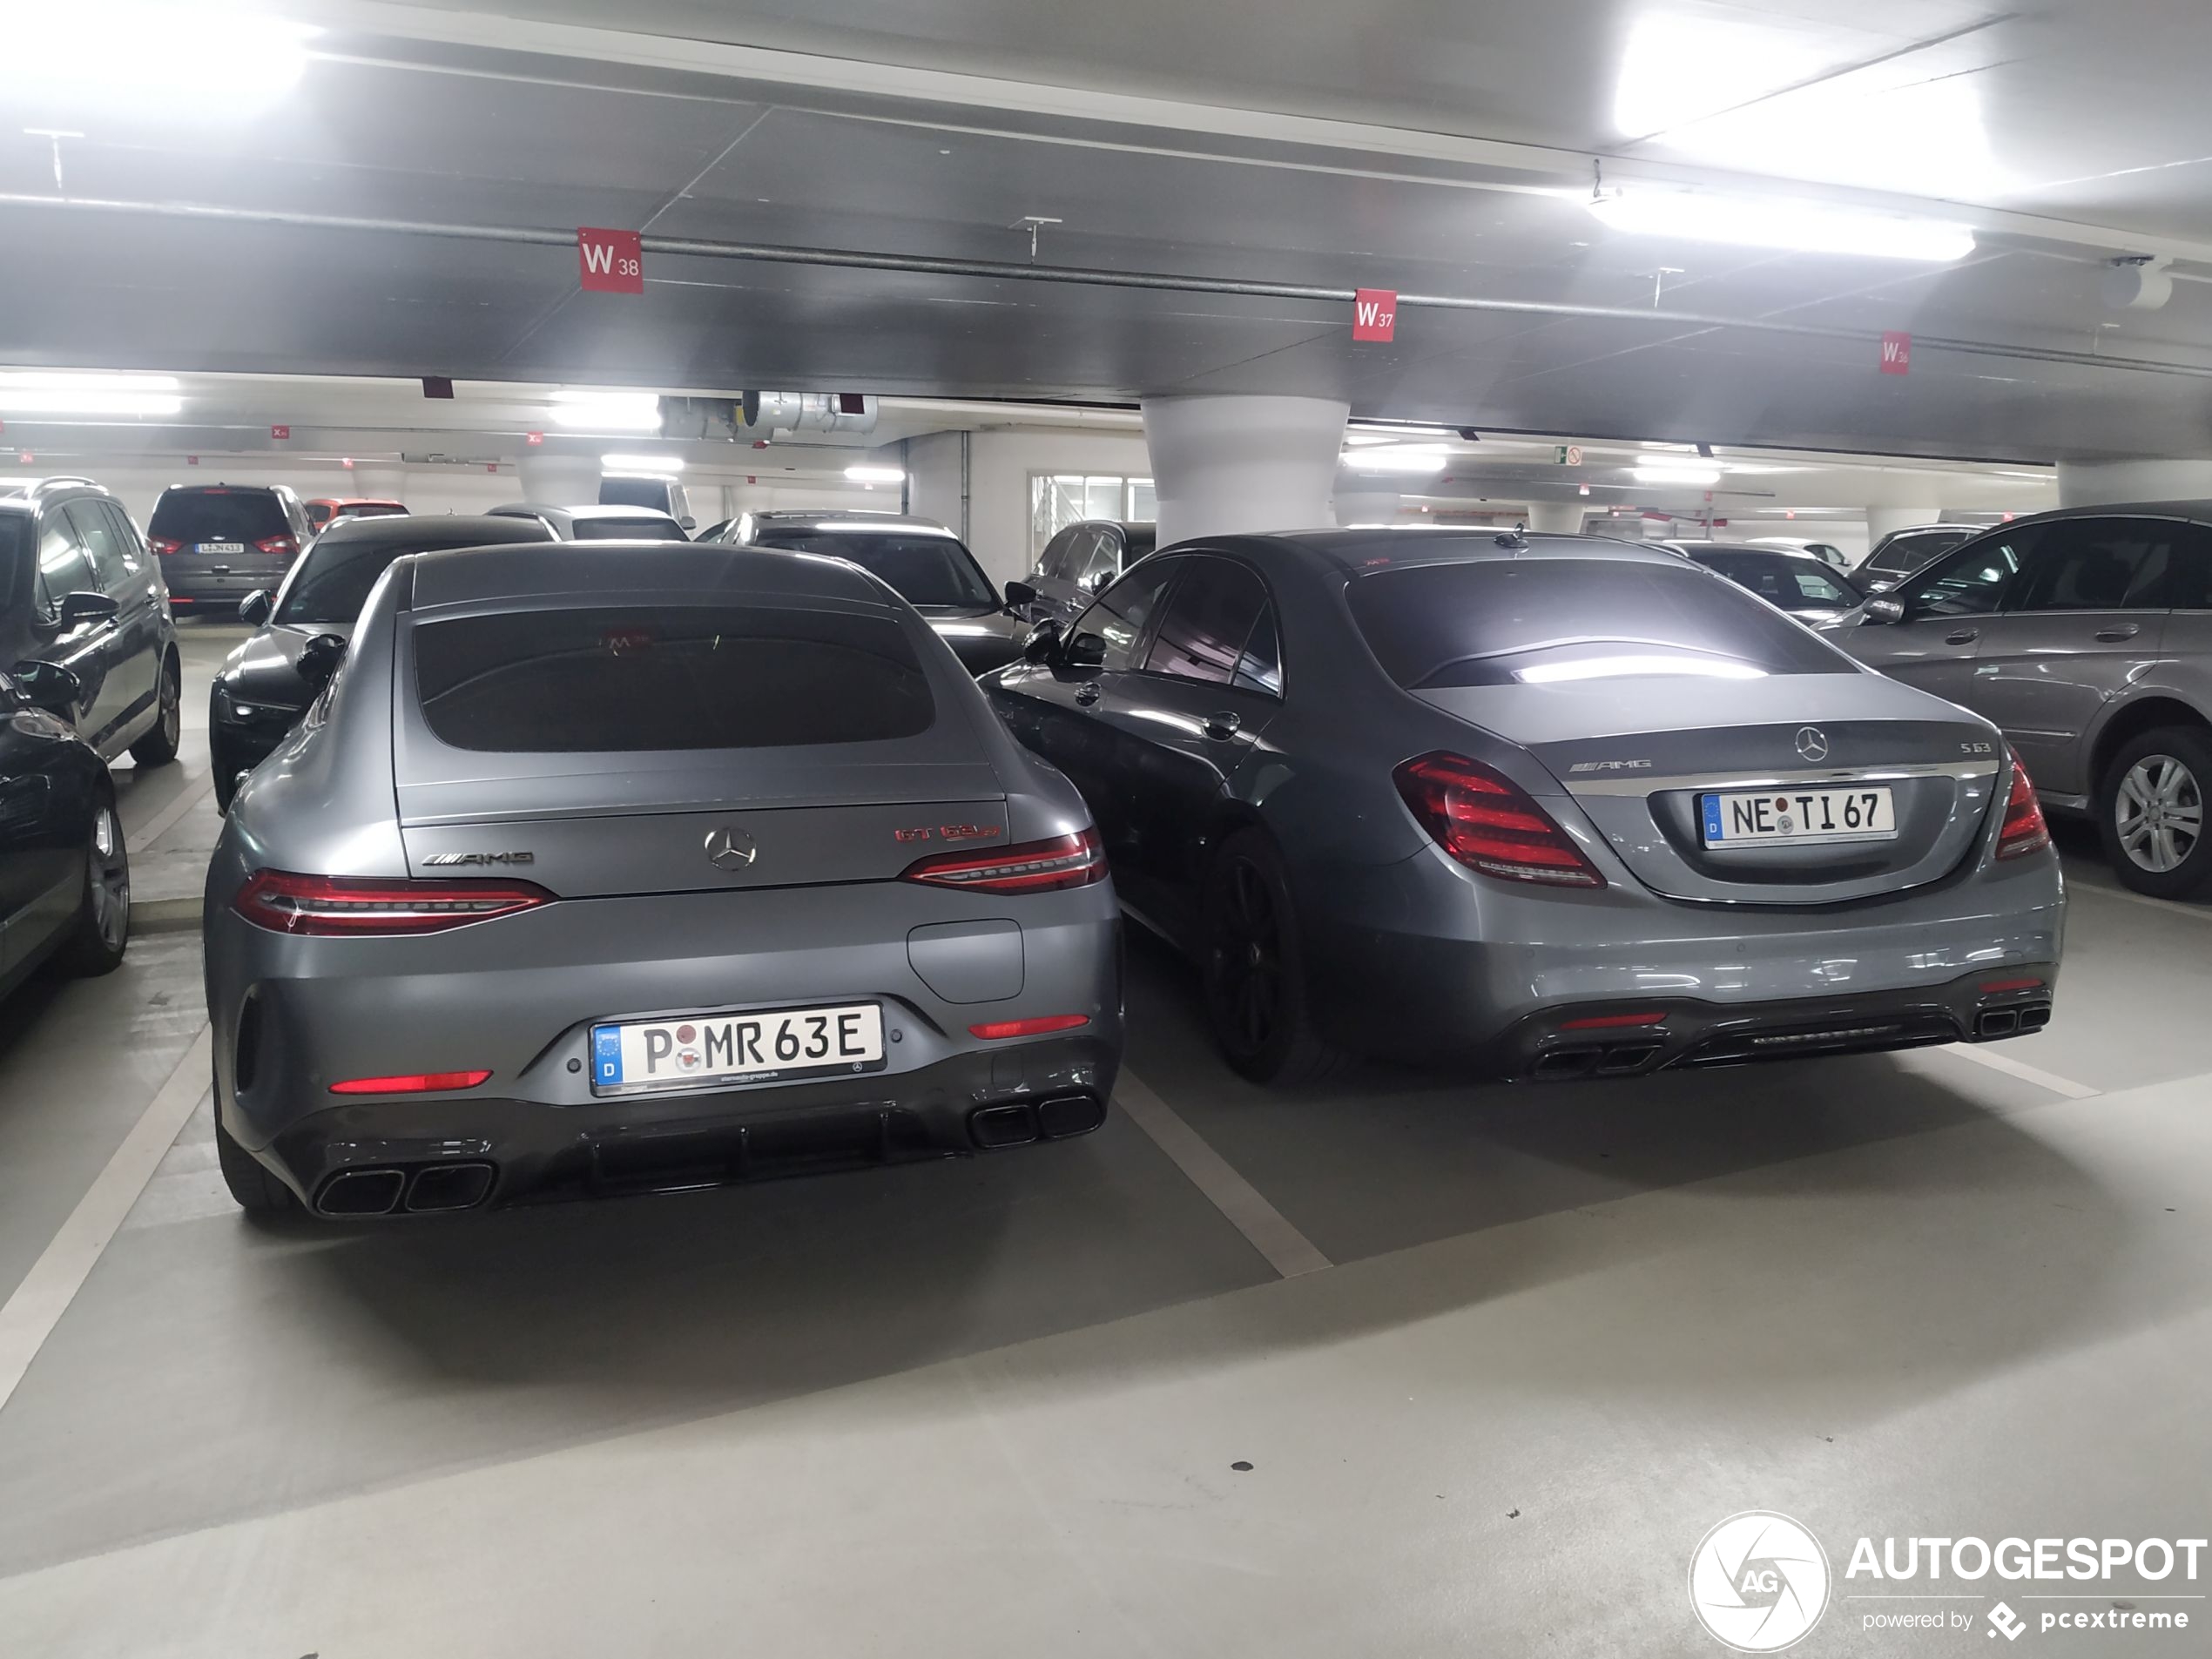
pixel 1549 806
pixel 610 867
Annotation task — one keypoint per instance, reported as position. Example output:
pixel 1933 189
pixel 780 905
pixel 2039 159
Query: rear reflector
pixel 417 1083
pixel 1607 1021
pixel 995 1029
pixel 2025 830
pixel 1998 986
pixel 1490 823
pixel 284 544
pixel 328 904
pixel 163 545
pixel 1034 866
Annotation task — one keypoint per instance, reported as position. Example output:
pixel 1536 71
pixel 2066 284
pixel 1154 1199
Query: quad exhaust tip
pixel 427 1189
pixel 1019 1122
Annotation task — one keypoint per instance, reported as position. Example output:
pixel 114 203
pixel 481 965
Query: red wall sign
pixel 532 439
pixel 1897 354
pixel 1374 314
pixel 612 261
pixel 281 433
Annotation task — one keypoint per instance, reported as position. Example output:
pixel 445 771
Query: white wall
pixel 426 489
pixel 1000 466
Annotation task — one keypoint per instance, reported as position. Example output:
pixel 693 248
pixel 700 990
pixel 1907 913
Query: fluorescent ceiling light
pixel 1605 668
pixel 1657 473
pixel 55 392
pixel 876 474
pixel 1796 225
pixel 1398 460
pixel 607 411
pixel 170 51
pixel 655 465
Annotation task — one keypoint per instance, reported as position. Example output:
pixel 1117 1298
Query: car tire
pixel 158 747
pixel 252 1188
pixel 1253 967
pixel 102 931
pixel 2151 812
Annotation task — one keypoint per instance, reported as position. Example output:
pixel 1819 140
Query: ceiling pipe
pixel 1007 271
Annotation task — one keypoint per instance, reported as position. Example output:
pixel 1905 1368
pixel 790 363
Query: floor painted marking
pixel 1289 1251
pixel 2019 1068
pixel 29 1317
pixel 2193 912
pixel 167 819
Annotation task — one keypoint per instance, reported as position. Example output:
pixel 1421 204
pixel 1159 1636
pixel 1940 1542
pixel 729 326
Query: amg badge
pixel 447 861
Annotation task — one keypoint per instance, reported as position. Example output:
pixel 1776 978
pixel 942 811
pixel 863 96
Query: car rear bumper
pixel 191 583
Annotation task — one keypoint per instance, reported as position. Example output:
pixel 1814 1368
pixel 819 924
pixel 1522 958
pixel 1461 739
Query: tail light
pixel 1034 866
pixel 998 1030
pixel 2024 832
pixel 287 545
pixel 164 544
pixel 337 905
pixel 1490 823
pixel 413 1083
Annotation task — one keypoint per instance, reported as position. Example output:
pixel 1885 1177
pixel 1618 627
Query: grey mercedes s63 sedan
pixel 1549 806
pixel 610 867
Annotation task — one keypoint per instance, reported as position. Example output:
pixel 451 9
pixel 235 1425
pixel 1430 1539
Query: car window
pixel 196 515
pixel 1508 621
pixel 2191 587
pixel 97 535
pixel 64 567
pixel 1102 560
pixel 1208 619
pixel 628 530
pixel 1260 669
pixel 934 570
pixel 600 679
pixel 2098 564
pixel 1971 581
pixel 1052 563
pixel 1119 615
pixel 1792 584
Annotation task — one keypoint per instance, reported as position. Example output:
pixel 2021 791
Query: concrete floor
pixel 1533 1345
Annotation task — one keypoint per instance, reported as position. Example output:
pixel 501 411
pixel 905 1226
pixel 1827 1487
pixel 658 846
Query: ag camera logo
pixel 1758 1583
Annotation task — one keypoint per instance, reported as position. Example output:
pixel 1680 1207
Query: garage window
pixel 605 680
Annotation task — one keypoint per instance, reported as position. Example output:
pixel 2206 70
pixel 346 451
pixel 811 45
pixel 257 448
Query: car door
pixel 1947 607
pixel 1210 683
pixel 41 850
pixel 125 575
pixel 85 647
pixel 1053 582
pixel 2084 621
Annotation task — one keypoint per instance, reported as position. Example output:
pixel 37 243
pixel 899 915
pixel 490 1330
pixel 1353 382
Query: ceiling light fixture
pixel 607 411
pixel 1795 225
pixel 158 50
pixel 1406 459
pixel 876 474
pixel 53 391
pixel 652 466
pixel 1654 473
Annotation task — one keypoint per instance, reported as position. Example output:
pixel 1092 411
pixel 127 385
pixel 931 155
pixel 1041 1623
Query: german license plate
pixel 222 547
pixel 768 1046
pixel 1830 813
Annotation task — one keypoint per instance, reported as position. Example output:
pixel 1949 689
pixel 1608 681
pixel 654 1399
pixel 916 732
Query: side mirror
pixel 1043 640
pixel 689 523
pixel 1019 594
pixel 49 686
pixel 253 610
pixel 1886 610
pixel 1084 651
pixel 84 605
pixel 318 659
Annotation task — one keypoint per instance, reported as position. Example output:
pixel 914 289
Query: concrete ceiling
pixel 1425 147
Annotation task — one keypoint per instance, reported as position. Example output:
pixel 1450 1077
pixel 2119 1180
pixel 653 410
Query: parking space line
pixel 1289 1251
pixel 29 1316
pixel 166 819
pixel 2020 1068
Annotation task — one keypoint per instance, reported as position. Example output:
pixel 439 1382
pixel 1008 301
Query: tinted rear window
pixel 922 570
pixel 1505 621
pixel 190 516
pixel 1785 580
pixel 372 509
pixel 628 530
pixel 604 679
pixel 1908 553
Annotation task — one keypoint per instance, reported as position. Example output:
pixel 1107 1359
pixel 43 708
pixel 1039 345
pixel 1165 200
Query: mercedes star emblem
pixel 729 849
pixel 1812 744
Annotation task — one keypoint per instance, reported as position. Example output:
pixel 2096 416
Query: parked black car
pixel 217 543
pixel 78 591
pixel 1076 565
pixel 1898 555
pixel 262 686
pixel 64 876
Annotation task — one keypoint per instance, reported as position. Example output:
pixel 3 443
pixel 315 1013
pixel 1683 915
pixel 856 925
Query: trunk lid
pixel 1638 762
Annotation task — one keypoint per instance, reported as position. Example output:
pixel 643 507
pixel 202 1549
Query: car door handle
pixel 2119 631
pixel 1962 637
pixel 1222 727
pixel 1087 693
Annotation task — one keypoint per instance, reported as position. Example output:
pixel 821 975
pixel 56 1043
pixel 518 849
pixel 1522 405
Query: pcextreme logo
pixel 1758 1581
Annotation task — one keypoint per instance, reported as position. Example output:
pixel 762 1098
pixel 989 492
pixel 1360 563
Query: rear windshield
pixel 332 583
pixel 604 679
pixel 1907 554
pixel 1786 580
pixel 929 570
pixel 1506 622
pixel 371 509
pixel 630 530
pixel 191 515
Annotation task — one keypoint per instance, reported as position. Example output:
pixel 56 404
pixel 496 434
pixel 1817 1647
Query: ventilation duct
pixel 781 411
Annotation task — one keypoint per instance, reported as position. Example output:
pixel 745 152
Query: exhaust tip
pixel 449 1186
pixel 992 1127
pixel 1573 1063
pixel 1997 1023
pixel 1628 1057
pixel 361 1192
pixel 1066 1115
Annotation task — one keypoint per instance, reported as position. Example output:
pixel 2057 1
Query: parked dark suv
pixel 1076 565
pixel 2086 635
pixel 85 627
pixel 219 543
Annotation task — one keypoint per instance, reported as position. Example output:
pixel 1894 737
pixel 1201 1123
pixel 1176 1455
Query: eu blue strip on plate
pixel 606 1054
pixel 1712 805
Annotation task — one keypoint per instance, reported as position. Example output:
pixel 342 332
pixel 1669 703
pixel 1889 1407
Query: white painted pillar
pixel 1225 465
pixel 1368 505
pixel 560 481
pixel 1880 520
pixel 1556 518
pixel 2102 482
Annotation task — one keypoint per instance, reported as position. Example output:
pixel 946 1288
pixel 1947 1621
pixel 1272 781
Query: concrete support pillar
pixel 1556 518
pixel 1224 465
pixel 2101 482
pixel 560 481
pixel 378 481
pixel 1368 505
pixel 1880 520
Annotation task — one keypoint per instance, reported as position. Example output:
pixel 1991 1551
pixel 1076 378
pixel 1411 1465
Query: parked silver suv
pixel 2086 635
